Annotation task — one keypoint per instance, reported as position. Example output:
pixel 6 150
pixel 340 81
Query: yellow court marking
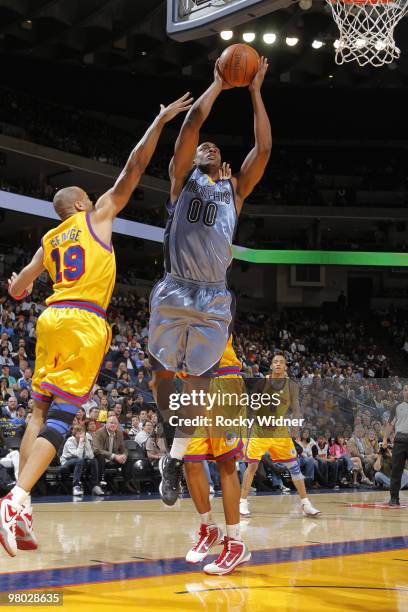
pixel 374 582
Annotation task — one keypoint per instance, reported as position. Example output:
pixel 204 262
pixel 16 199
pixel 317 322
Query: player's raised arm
pixel 255 163
pixel 20 285
pixel 187 141
pixel 114 200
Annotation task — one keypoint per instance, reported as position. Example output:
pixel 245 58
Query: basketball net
pixel 367 30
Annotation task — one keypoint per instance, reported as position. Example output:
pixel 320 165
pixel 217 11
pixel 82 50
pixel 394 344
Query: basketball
pixel 238 65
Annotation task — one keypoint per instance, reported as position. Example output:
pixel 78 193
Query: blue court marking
pixel 108 572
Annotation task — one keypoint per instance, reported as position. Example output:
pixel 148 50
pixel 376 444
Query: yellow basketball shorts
pixel 220 443
pixel 214 449
pixel 280 449
pixel 72 340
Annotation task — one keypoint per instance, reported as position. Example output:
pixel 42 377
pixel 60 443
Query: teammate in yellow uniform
pixel 276 441
pixel 72 333
pixel 224 445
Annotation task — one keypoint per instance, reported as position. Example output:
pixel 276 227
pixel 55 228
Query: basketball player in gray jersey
pixel 192 308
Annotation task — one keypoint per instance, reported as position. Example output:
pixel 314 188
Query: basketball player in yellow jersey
pixel 72 333
pixel 223 447
pixel 279 445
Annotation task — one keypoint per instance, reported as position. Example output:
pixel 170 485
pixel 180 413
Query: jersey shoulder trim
pixel 107 247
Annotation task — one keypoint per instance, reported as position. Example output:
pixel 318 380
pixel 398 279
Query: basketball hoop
pixel 367 30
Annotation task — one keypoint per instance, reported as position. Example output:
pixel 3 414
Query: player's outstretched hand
pixel 225 172
pixel 167 113
pixel 11 281
pixel 260 75
pixel 218 80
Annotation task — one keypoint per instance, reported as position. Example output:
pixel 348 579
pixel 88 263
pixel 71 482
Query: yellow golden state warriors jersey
pixel 283 392
pixel 230 365
pixel 80 265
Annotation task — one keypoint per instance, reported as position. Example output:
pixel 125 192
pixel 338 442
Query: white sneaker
pixel 308 509
pixel 25 536
pixel 9 512
pixel 208 536
pixel 233 554
pixel 77 491
pixel 244 508
pixel 284 489
pixel 97 490
pixel 212 491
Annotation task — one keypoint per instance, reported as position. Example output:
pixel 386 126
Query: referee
pixel 399 420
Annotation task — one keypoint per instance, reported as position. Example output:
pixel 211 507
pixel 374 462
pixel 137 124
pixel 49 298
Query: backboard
pixel 189 19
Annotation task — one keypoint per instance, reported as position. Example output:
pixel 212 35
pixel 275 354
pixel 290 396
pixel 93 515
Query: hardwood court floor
pixel 129 555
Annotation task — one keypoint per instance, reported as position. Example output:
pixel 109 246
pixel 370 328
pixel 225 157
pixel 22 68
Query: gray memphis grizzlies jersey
pixel 200 230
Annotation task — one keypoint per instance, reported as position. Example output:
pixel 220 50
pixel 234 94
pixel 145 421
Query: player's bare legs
pixel 162 386
pixel 171 465
pixel 198 486
pixel 209 534
pixel 15 509
pixel 234 552
pixel 35 424
pixel 297 479
pixel 230 493
pixel 24 535
pixel 247 480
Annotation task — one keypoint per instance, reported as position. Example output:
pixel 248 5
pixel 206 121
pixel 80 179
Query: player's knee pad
pixel 294 469
pixel 59 420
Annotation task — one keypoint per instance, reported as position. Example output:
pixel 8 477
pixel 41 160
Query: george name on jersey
pixel 72 235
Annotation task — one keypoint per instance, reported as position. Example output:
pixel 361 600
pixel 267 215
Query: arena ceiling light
pixel 248 37
pixel 317 44
pixel 292 41
pixel 226 34
pixel 269 38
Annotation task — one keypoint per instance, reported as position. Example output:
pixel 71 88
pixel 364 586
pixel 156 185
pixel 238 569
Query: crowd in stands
pixel 297 175
pixel 347 393
pixel 41 189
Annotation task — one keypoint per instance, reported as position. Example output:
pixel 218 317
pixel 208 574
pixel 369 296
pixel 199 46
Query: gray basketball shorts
pixel 190 324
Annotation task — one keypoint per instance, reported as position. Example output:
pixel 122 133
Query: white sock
pixel 305 500
pixel 179 447
pixel 207 518
pixel 243 501
pixel 19 496
pixel 27 503
pixel 233 531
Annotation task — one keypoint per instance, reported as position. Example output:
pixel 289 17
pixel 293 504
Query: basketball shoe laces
pixel 226 551
pixel 203 539
pixel 24 523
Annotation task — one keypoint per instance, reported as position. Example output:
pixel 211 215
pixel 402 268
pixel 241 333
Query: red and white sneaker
pixel 25 535
pixel 9 512
pixel 207 537
pixel 233 554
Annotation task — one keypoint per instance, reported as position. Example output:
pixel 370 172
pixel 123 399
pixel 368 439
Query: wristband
pixel 19 297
